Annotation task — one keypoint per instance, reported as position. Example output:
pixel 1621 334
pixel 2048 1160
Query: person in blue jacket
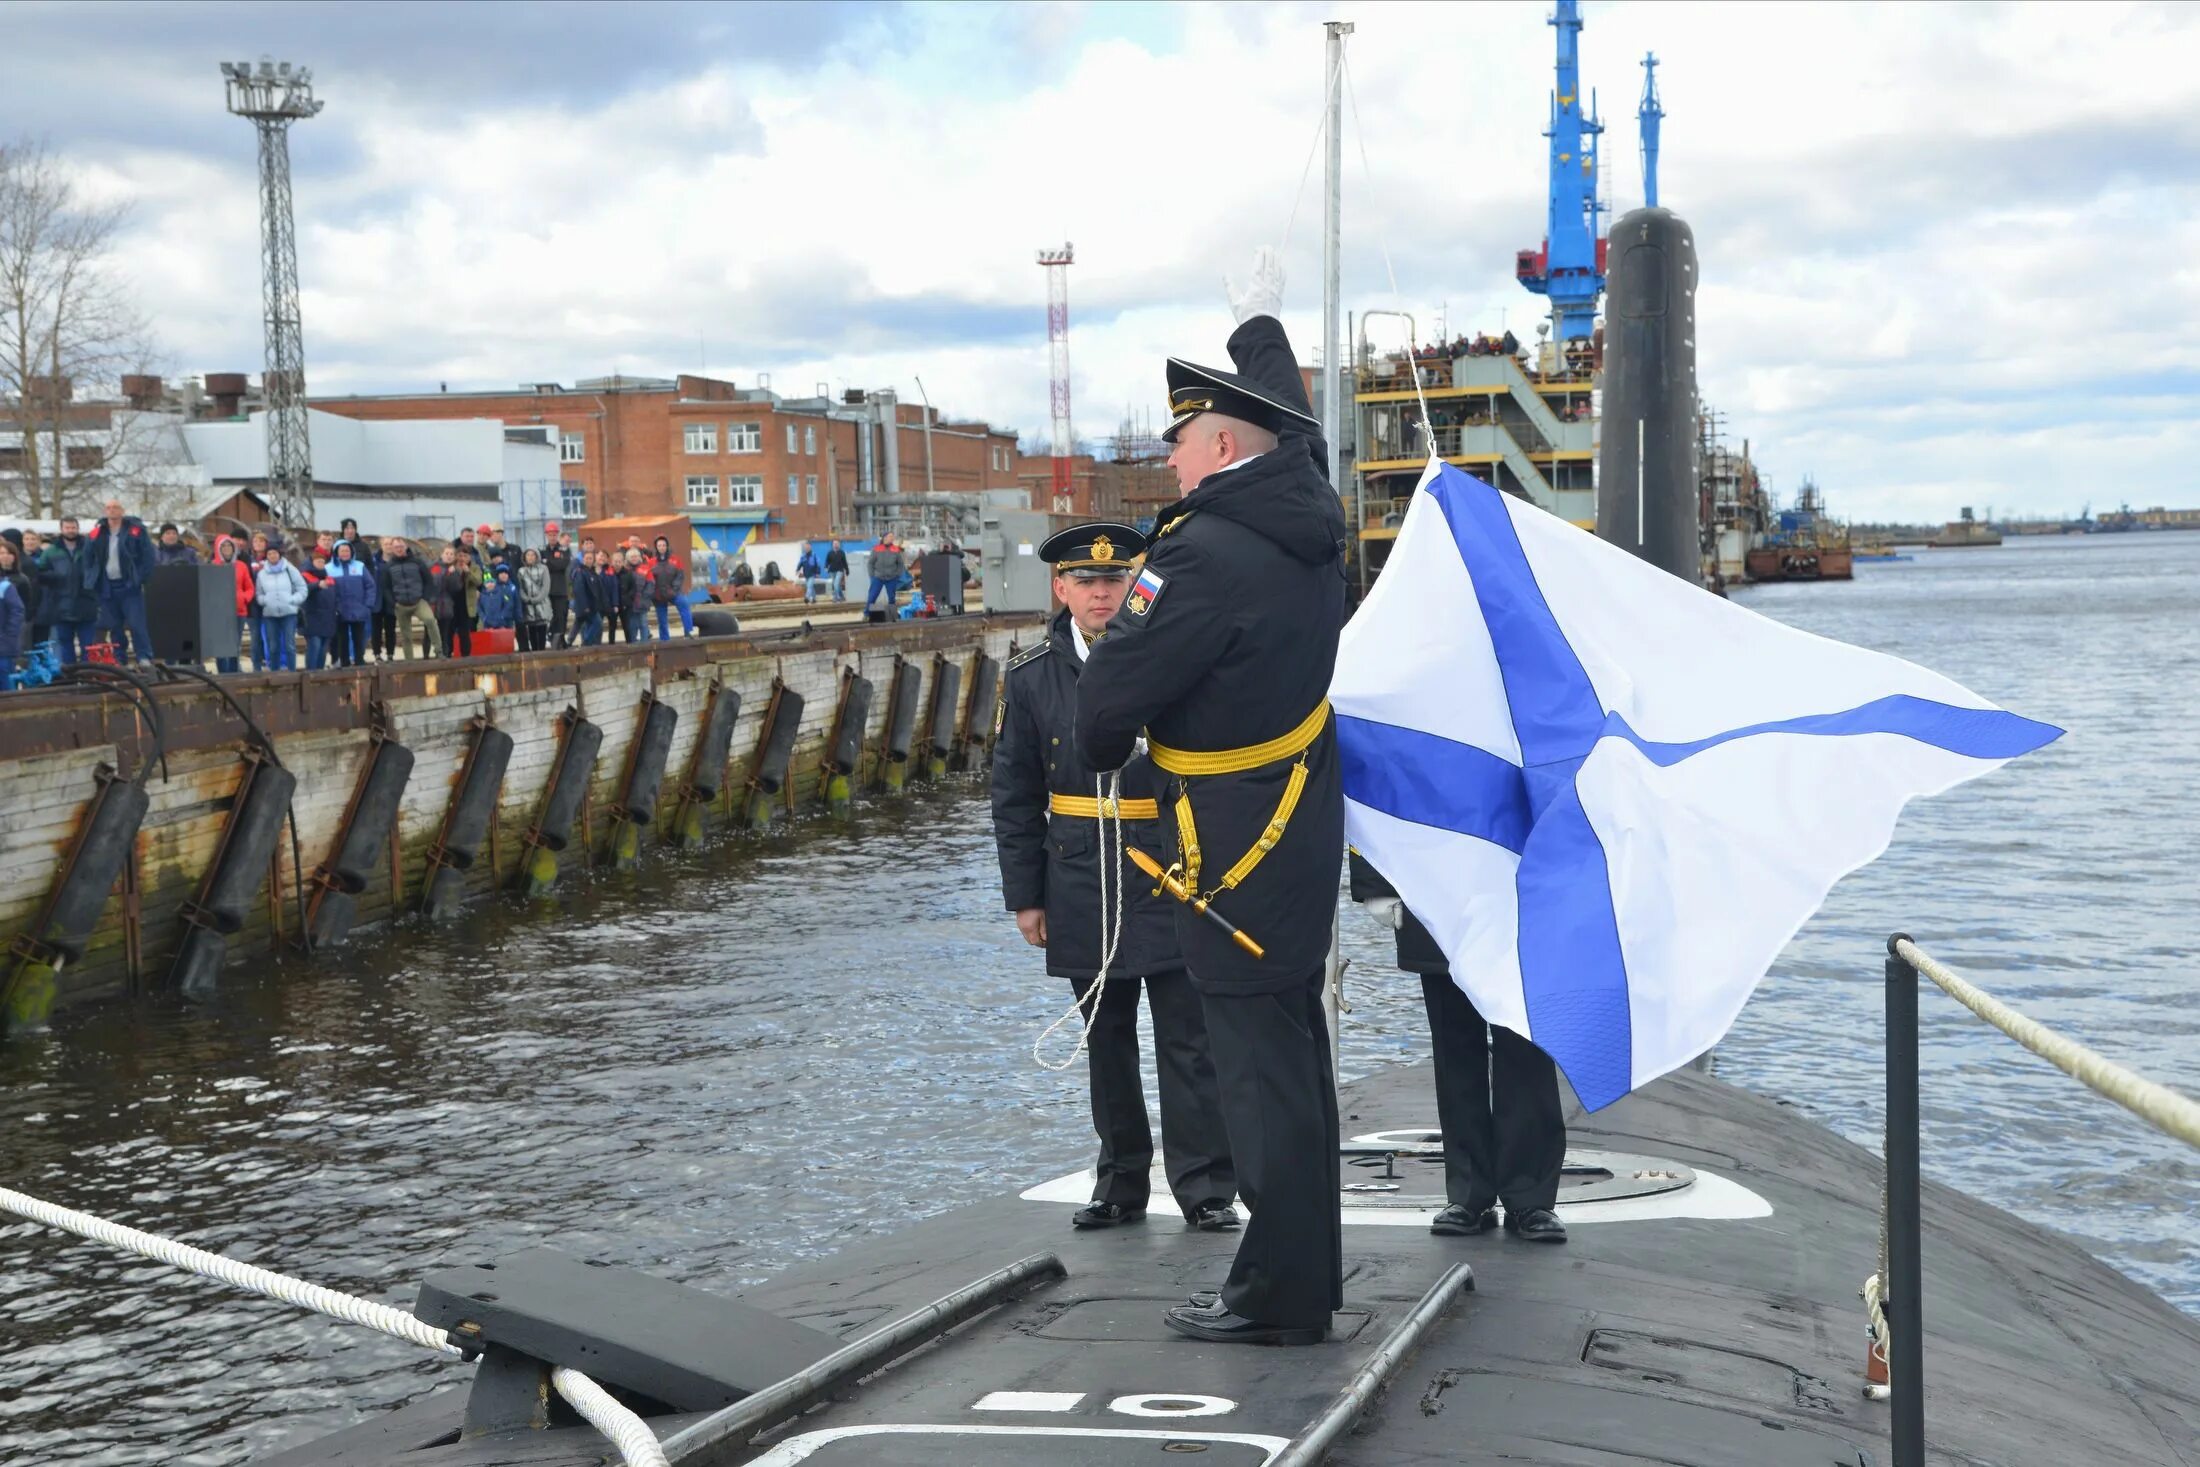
pixel 500 599
pixel 358 598
pixel 318 620
pixel 115 572
pixel 11 612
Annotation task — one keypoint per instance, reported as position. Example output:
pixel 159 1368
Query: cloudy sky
pixel 1949 252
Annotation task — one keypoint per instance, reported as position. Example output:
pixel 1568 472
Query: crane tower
pixel 1056 264
pixel 274 95
pixel 1570 266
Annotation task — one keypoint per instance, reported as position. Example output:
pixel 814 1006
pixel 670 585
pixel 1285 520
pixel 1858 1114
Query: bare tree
pixel 68 332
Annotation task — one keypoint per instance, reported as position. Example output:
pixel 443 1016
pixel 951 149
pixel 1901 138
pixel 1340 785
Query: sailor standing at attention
pixel 1046 822
pixel 1222 654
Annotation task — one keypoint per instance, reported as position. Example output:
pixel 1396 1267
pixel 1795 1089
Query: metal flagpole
pixel 1332 375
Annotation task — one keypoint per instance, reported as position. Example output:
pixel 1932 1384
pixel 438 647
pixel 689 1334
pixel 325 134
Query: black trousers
pixel 558 606
pixel 1497 1101
pixel 385 635
pixel 1279 1104
pixel 1195 1147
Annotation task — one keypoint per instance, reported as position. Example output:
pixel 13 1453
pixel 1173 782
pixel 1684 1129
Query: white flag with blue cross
pixel 1610 796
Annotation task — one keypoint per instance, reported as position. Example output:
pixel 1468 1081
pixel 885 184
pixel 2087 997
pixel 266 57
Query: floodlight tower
pixel 1056 264
pixel 274 95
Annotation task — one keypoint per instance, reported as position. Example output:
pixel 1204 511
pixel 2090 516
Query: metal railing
pixel 1896 1293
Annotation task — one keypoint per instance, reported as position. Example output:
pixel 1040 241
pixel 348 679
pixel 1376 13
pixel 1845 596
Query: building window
pixel 809 489
pixel 572 449
pixel 701 437
pixel 794 488
pixel 745 489
pixel 573 500
pixel 790 438
pixel 809 441
pixel 744 437
pixel 702 491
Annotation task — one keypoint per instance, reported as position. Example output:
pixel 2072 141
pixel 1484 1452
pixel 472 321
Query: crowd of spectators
pixel 343 600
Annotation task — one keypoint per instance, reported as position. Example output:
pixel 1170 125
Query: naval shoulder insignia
pixel 1029 654
pixel 1145 591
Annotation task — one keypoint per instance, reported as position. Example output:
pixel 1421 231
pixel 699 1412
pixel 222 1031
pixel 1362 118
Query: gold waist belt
pixel 1252 756
pixel 1092 809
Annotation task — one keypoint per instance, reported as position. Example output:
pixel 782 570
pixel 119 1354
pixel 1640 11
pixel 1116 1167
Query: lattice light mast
pixel 274 95
pixel 1057 263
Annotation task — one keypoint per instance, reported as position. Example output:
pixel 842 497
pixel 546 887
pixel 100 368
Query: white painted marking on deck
pixel 1711 1197
pixel 1028 1401
pixel 1172 1405
pixel 800 1448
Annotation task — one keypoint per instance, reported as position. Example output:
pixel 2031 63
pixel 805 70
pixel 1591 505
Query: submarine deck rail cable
pixel 1893 1297
pixel 627 1431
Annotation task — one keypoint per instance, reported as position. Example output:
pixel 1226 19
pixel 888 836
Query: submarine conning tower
pixel 1646 462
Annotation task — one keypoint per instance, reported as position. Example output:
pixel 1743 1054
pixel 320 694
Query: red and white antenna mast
pixel 1057 263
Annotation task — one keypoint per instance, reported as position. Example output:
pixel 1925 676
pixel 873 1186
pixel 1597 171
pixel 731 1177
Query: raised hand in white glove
pixel 1262 292
pixel 1388 912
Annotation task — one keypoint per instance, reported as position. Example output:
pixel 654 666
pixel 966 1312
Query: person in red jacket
pixel 225 553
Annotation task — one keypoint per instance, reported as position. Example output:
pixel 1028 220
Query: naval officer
pixel 1046 823
pixel 1222 655
pixel 1497 1099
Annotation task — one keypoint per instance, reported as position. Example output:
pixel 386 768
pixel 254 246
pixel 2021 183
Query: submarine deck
pixel 1708 1317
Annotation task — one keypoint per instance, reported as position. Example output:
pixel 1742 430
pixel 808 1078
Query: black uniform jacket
pixel 1235 646
pixel 1055 863
pixel 1417 949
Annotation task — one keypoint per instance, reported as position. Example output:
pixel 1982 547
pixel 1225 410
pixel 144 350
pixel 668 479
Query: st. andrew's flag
pixel 1610 796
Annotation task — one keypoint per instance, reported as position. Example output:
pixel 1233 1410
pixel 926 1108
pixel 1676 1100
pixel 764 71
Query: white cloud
pixel 1947 251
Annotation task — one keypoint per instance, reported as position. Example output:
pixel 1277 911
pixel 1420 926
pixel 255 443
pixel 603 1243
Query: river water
pixel 768 1051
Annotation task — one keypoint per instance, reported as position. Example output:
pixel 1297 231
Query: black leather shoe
pixel 1214 1217
pixel 1105 1215
pixel 1225 1328
pixel 1541 1225
pixel 1206 1301
pixel 1457 1221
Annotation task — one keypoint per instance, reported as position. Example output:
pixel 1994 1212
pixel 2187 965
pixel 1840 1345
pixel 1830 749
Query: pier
pixel 152 836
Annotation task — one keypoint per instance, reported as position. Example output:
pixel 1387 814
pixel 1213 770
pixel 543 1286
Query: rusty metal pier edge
pixel 141 925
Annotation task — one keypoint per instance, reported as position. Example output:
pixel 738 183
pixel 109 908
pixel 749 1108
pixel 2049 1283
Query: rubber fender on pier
pixel 561 800
pixel 645 775
pixel 946 706
pixel 855 713
pixel 373 814
pixel 474 802
pixel 716 621
pixel 103 843
pixel 708 774
pixel 240 864
pixel 985 688
pixel 775 746
pixel 901 717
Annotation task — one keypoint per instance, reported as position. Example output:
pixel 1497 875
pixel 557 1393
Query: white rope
pixel 627 1431
pixel 615 1421
pixel 1105 789
pixel 1329 90
pixel 2157 1105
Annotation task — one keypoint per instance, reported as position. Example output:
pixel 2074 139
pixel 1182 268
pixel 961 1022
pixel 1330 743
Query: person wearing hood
pixel 228 556
pixel 1222 657
pixel 13 615
pixel 318 619
pixel 667 579
pixel 534 601
pixel 499 603
pixel 282 597
pixel 170 549
pixel 357 599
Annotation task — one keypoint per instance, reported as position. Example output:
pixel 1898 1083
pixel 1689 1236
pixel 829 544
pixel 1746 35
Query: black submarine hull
pixel 1647 495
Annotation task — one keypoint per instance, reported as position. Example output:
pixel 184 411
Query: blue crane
pixel 1570 266
pixel 1649 114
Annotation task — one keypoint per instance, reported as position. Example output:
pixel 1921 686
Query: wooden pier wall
pixel 52 744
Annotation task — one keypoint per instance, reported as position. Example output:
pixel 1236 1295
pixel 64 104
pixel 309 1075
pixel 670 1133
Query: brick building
pixel 739 462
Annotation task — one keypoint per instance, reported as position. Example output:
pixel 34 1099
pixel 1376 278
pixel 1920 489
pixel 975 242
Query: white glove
pixel 1262 292
pixel 1388 912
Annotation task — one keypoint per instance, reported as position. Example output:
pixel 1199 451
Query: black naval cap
pixel 1194 389
pixel 1101 549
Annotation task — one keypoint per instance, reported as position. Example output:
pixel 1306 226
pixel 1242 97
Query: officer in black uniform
pixel 1047 826
pixel 1496 1093
pixel 1222 655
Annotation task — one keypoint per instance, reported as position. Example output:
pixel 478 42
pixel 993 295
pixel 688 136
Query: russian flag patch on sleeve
pixel 1145 591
